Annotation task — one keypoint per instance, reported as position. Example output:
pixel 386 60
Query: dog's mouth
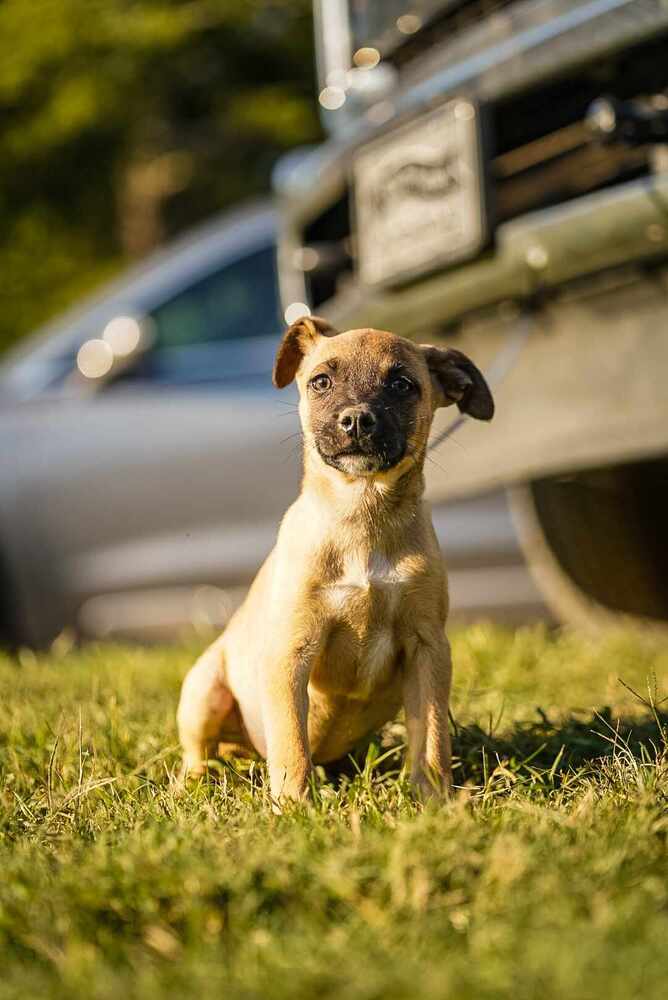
pixel 363 458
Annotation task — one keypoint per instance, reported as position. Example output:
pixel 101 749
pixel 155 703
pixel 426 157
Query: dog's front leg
pixel 426 697
pixel 285 717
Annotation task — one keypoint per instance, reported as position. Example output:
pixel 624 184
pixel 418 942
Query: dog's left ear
pixel 297 341
pixel 457 380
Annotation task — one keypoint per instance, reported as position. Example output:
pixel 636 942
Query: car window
pixel 239 301
pixel 221 330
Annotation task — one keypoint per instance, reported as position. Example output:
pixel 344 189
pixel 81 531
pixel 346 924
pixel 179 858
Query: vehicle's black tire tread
pixel 596 544
pixel 9 631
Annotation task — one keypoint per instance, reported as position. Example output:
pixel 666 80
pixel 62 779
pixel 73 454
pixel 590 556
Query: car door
pixel 155 499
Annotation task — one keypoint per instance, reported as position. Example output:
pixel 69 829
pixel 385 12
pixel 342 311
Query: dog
pixel 345 621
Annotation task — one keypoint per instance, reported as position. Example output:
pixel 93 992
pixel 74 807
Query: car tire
pixel 596 542
pixel 9 631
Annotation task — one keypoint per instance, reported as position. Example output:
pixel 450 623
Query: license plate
pixel 419 196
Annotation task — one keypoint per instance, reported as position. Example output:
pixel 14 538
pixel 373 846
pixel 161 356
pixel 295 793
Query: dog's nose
pixel 357 421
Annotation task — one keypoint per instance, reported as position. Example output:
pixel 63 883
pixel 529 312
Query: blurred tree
pixel 123 121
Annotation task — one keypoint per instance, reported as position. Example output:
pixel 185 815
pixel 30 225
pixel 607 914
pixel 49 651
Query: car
pixel 147 459
pixel 496 177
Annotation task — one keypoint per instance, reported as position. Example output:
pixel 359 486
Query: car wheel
pixel 596 542
pixel 9 630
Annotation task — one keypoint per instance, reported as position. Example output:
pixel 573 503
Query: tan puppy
pixel 345 620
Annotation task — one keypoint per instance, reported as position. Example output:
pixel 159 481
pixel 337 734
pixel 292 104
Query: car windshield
pixel 384 25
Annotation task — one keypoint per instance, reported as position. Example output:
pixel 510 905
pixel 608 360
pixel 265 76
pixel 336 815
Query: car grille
pixel 541 155
pixel 543 149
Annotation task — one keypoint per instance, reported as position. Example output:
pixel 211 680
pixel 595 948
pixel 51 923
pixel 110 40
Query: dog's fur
pixel 345 620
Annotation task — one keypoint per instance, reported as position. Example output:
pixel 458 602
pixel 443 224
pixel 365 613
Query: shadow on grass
pixel 558 747
pixel 539 748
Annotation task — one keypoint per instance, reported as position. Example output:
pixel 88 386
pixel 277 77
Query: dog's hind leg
pixel 207 713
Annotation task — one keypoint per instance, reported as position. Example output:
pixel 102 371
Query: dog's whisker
pixel 291 436
pixel 433 461
pixel 453 440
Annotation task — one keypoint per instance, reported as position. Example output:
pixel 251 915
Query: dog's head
pixel 367 397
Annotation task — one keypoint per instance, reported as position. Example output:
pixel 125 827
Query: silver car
pixel 147 458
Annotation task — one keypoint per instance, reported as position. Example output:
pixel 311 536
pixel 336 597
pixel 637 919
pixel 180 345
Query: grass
pixel 546 877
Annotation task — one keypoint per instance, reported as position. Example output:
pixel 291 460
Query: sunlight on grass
pixel 547 875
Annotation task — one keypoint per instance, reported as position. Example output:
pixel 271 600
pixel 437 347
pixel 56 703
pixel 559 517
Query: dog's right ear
pixel 297 341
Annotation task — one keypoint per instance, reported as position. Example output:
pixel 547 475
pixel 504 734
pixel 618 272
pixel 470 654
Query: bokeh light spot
pixel 408 24
pixel 295 311
pixel 123 334
pixel 332 98
pixel 95 358
pixel 366 58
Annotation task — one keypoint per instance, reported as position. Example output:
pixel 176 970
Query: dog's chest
pixel 364 604
pixel 365 579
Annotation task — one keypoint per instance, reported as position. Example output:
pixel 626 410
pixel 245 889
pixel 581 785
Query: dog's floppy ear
pixel 457 380
pixel 297 341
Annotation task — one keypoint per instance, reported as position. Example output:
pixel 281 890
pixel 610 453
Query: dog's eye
pixel 321 383
pixel 401 385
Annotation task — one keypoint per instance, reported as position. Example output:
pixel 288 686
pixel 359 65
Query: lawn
pixel 546 877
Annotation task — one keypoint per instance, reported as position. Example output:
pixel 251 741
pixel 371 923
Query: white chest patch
pixel 363 573
pixel 373 571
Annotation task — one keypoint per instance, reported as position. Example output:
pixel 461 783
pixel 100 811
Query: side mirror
pixel 124 340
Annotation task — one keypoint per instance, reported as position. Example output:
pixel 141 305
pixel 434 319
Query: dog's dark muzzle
pixel 362 432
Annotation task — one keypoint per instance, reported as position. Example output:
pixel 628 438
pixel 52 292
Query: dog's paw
pixel 191 770
pixel 432 787
pixel 291 803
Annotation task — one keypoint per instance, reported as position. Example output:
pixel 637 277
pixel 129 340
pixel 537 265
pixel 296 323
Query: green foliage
pixel 124 121
pixel 547 876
